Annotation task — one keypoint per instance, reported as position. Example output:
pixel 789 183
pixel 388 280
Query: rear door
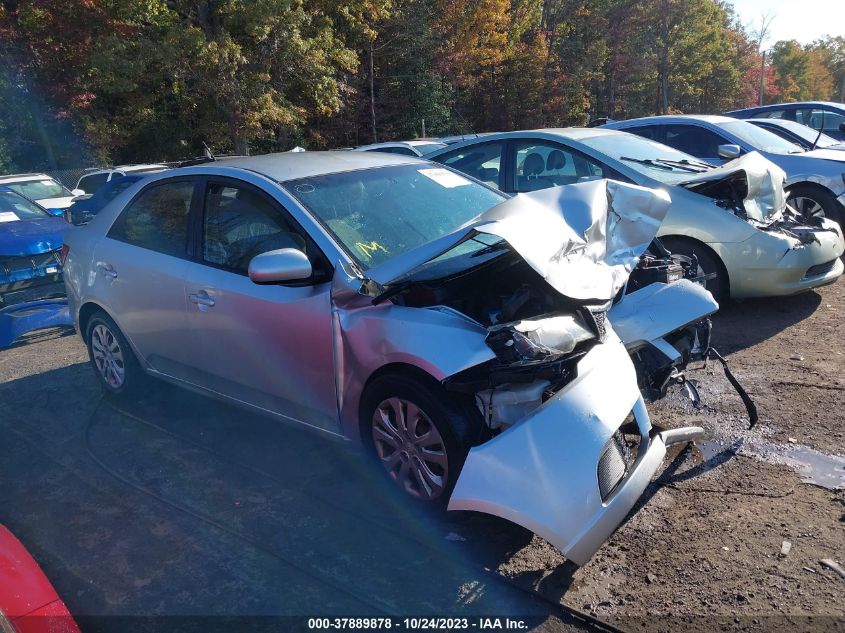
pixel 269 346
pixel 140 269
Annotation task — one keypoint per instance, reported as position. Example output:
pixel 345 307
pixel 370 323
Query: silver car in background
pixel 458 334
pixel 733 219
pixel 815 180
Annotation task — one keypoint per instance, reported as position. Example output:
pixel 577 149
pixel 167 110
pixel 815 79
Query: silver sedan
pixel 458 334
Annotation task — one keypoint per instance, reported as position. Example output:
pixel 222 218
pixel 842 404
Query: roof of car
pixel 292 165
pixel 707 118
pixel 773 106
pixel 125 168
pixel 24 177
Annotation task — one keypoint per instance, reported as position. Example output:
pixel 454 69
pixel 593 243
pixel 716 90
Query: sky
pixel 802 20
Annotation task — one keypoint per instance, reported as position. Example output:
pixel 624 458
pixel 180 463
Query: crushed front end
pixel 32 292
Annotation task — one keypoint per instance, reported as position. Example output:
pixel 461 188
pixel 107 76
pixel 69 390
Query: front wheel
pixel 418 435
pixel 813 203
pixel 708 264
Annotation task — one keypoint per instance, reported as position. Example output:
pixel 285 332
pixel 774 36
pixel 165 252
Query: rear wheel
pixel 419 436
pixel 813 203
pixel 111 356
pixel 708 264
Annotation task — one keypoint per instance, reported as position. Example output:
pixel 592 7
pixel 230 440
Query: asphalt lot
pixel 178 505
pixel 182 506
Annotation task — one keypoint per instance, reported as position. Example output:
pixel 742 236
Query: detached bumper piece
pixel 23 318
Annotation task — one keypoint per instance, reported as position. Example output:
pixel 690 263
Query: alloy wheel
pixel 108 357
pixel 410 448
pixel 807 207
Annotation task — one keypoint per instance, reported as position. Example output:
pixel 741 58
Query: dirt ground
pixel 701 553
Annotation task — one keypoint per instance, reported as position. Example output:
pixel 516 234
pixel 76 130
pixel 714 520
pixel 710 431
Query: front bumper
pixel 771 265
pixel 543 472
pixel 20 319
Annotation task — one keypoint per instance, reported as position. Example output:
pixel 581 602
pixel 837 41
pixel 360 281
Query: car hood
pixel 764 199
pixel 56 203
pixel 583 239
pixel 833 153
pixel 31 237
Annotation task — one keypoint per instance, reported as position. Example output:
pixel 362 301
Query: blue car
pixel 85 208
pixel 814 114
pixel 32 292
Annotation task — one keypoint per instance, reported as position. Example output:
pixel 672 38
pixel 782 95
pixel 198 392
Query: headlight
pixel 540 339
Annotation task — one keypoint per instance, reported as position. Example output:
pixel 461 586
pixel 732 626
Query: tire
pixel 111 356
pixel 418 434
pixel 707 263
pixel 814 202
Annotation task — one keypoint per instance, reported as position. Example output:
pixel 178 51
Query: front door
pixel 266 345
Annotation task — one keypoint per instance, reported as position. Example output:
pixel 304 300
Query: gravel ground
pixel 703 551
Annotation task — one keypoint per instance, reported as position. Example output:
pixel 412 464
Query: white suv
pixel 93 180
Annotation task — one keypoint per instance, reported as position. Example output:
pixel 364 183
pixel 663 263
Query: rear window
pixel 90 184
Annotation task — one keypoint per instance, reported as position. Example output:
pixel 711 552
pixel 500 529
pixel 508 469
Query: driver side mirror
pixel 284 264
pixel 729 151
pixel 842 127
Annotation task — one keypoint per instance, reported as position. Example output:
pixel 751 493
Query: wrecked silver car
pixel 460 335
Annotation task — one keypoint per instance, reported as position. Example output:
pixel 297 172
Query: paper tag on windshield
pixel 8 216
pixel 444 177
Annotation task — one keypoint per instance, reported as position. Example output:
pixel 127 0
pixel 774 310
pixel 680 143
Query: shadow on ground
pixel 178 505
pixel 742 324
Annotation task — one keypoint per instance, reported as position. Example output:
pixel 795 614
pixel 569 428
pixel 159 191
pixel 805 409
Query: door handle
pixel 201 299
pixel 107 270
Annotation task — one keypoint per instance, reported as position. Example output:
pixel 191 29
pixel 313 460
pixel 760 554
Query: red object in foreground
pixel 28 602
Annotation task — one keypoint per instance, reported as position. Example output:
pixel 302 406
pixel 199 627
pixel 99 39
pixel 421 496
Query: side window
pixel 698 141
pixel 239 224
pixel 544 165
pixel 115 175
pixel 651 132
pixel 483 162
pixel 157 219
pixel 90 184
pixel 813 118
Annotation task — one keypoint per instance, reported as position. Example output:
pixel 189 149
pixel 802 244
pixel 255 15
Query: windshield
pixel 652 159
pixel 39 189
pixel 14 207
pixel 377 214
pixel 807 133
pixel 760 139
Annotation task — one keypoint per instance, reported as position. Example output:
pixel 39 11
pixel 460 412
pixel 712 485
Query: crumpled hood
pixel 31 237
pixel 583 239
pixel 765 200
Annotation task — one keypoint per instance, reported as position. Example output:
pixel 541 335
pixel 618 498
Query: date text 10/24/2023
pixel 419 623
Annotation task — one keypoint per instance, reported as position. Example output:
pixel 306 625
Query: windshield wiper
pixel 646 161
pixel 685 164
pixel 669 165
